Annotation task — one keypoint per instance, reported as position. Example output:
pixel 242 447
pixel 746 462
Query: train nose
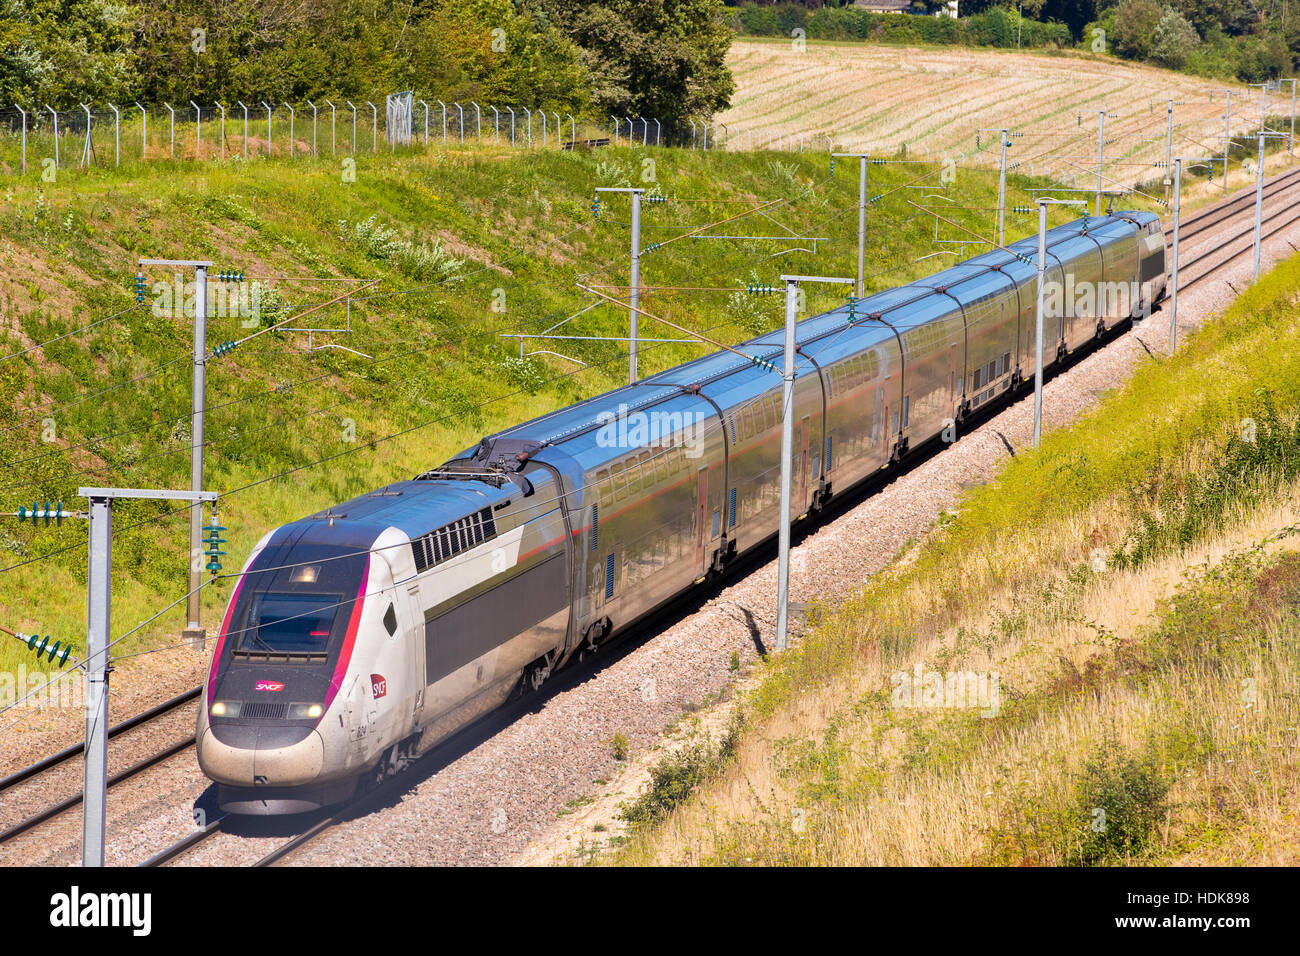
pixel 255 756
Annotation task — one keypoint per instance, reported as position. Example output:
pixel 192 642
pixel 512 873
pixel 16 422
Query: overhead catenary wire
pixel 59 338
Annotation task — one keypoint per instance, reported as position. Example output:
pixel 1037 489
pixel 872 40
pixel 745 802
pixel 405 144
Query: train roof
pixel 416 506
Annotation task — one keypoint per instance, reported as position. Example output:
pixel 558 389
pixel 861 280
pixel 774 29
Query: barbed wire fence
pixel 43 138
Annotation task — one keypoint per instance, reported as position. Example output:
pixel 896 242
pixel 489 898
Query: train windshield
pixel 290 623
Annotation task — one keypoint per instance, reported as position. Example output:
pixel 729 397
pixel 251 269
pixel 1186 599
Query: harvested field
pixel 880 99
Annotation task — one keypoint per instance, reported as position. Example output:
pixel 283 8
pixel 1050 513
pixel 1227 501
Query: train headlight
pixel 305 711
pixel 226 708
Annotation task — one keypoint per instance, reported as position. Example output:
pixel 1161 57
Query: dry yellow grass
pixel 878 98
pixel 831 779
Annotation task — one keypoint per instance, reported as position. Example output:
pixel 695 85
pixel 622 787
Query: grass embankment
pixel 430 226
pixel 1130 596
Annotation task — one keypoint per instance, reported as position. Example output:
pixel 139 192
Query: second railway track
pixel 1281 215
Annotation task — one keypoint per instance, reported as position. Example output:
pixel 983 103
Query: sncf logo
pixel 271 685
pixel 378 686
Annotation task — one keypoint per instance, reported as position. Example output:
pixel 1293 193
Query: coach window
pixel 620 483
pixel 647 469
pixel 603 486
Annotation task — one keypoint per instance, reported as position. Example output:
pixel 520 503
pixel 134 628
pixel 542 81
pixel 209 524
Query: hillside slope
pixel 1092 660
pixel 466 245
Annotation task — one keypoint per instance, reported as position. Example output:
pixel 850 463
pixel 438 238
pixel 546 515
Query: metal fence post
pixel 460 113
pixel 374 128
pixel 291 119
pixel 332 115
pixel 198 130
pixel 222 134
pixel 354 127
pixel 313 128
pixel 117 135
pixel 511 111
pixel 268 127
pixel 144 131
pixel 241 103
pixel 171 150
pixel 24 112
pixel 85 150
pixel 56 135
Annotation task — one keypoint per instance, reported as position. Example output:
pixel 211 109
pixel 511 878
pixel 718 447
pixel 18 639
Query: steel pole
pixel 1173 277
pixel 1290 141
pixel 1038 325
pixel 1002 191
pixel 1169 143
pixel 787 466
pixel 98 590
pixel 635 299
pixel 1259 203
pixel 194 632
pixel 1101 143
pixel 1227 136
pixel 862 226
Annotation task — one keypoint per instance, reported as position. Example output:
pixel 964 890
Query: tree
pixel 64 51
pixel 661 58
pixel 1135 26
pixel 1174 40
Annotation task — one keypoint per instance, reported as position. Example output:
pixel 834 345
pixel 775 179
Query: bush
pixel 1175 39
pixel 1135 27
pixel 1120 800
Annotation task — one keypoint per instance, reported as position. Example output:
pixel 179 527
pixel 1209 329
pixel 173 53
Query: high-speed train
pixel 361 636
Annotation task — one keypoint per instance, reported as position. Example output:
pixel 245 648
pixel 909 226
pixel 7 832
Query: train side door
pixel 414 640
pixel 701 513
pixel 803 462
pixel 953 397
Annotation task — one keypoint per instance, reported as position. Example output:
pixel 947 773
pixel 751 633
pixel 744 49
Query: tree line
pixel 662 58
pixel 1248 40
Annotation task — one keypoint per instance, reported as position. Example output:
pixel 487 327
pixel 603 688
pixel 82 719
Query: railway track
pixel 1275 220
pixel 1243 200
pixel 38 773
pixel 1208 261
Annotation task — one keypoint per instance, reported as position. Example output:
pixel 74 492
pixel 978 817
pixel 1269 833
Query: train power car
pixel 359 637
